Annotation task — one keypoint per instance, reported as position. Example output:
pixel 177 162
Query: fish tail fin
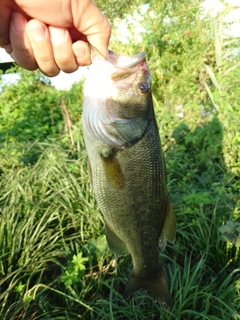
pixel 156 286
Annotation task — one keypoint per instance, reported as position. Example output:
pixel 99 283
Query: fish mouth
pixel 124 66
pixel 125 62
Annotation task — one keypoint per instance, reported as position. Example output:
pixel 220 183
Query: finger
pixel 39 38
pixel 99 37
pixel 22 51
pixel 7 7
pixel 62 49
pixel 95 27
pixel 5 17
pixel 82 53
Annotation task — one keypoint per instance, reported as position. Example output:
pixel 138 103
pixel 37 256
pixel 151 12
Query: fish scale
pixel 128 169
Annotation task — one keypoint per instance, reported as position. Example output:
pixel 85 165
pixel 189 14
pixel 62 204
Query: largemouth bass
pixel 127 167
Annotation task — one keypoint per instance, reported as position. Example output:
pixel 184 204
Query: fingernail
pixel 80 53
pixel 18 22
pixel 58 35
pixel 38 33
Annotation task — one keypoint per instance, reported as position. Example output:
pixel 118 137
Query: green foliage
pixel 29 109
pixel 115 9
pixel 31 112
pixel 73 100
pixel 54 260
pixel 231 232
pixel 75 270
pixel 97 246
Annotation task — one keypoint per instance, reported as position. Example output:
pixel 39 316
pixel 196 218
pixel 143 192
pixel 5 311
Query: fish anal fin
pixel 115 244
pixel 155 285
pixel 169 228
pixel 113 170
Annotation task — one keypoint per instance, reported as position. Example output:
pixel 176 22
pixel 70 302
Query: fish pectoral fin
pixel 115 244
pixel 169 228
pixel 155 285
pixel 113 170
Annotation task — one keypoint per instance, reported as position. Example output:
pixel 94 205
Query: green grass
pixel 54 260
pixel 55 264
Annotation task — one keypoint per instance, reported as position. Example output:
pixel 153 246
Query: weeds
pixel 55 264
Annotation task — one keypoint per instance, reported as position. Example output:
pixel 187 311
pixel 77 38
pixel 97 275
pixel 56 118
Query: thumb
pixel 99 37
pixel 95 27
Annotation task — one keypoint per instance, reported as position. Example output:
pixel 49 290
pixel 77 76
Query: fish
pixel 127 167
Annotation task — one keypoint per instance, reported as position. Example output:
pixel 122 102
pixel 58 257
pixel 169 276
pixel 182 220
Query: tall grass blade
pixel 212 76
pixel 217 43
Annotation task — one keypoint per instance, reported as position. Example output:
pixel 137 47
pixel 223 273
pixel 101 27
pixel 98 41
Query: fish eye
pixel 143 87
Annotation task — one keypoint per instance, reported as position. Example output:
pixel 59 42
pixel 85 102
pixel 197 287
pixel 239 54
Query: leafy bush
pixel 29 109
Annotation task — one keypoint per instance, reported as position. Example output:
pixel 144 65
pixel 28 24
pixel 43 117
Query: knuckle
pixel 49 72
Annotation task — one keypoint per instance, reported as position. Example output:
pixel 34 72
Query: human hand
pixel 52 35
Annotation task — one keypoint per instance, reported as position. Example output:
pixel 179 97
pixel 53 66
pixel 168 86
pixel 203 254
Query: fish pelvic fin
pixel 169 228
pixel 155 285
pixel 115 244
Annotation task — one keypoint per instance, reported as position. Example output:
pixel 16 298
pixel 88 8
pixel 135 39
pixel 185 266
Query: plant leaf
pixel 211 96
pixel 231 69
pixel 224 229
pixel 212 76
pixel 231 225
pixel 217 43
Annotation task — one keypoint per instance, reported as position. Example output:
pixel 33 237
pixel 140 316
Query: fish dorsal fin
pixel 115 244
pixel 113 169
pixel 169 228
